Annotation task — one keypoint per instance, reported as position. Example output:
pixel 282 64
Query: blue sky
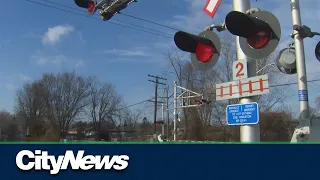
pixel 35 39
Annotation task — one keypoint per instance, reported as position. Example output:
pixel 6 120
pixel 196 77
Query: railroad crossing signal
pixel 317 51
pixel 204 48
pixel 200 102
pixel 159 122
pixel 90 5
pixel 259 32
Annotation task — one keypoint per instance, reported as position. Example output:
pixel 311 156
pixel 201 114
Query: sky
pixel 35 39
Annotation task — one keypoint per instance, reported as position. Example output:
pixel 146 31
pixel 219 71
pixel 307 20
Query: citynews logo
pixel 41 160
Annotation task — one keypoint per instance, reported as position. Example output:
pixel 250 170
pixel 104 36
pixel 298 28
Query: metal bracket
pixel 291 44
pixel 106 6
pixel 252 10
pixel 304 32
pixel 219 27
pixel 302 134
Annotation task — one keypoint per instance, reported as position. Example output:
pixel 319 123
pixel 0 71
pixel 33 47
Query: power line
pixel 53 7
pixel 134 104
pixel 150 21
pixel 62 5
pixel 288 84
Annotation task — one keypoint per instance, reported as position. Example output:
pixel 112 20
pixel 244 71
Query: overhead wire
pixel 128 15
pixel 62 5
pixel 288 84
pixel 142 30
pixel 141 19
pixel 134 104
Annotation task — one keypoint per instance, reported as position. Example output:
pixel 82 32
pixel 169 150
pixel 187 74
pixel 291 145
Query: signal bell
pixel 204 48
pixel 259 32
pixel 286 61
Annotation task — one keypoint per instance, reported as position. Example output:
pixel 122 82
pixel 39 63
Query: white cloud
pixel 24 77
pixel 120 52
pixel 42 59
pixel 31 35
pixel 56 60
pixel 82 41
pixel 79 63
pixel 54 34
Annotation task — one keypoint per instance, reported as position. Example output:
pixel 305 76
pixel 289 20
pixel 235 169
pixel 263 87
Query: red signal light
pixel 259 38
pixel 204 53
pixel 159 122
pixel 198 102
pixel 91 7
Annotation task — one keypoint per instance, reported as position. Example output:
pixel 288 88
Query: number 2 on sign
pixel 240 70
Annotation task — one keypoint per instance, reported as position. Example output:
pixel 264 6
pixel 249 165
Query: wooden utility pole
pixel 156 81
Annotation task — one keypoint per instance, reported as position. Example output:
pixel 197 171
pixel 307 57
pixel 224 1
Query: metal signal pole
pixel 175 115
pixel 156 99
pixel 162 118
pixel 167 108
pixel 301 64
pixel 248 133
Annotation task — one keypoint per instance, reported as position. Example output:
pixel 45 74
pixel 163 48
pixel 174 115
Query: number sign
pixel 239 70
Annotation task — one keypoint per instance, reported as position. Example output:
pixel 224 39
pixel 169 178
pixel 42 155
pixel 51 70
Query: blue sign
pixel 303 95
pixel 242 114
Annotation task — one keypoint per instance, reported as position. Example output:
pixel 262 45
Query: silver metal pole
pixel 175 111
pixel 248 133
pixel 162 129
pixel 162 126
pixel 162 113
pixel 27 130
pixel 301 64
pixel 168 117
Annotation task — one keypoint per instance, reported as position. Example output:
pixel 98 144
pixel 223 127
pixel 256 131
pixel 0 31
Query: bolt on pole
pixel 248 133
pixel 301 64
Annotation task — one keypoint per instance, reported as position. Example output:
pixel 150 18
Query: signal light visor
pixel 204 53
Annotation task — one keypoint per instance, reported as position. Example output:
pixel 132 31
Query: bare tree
pixel 30 109
pixel 105 105
pixel 8 126
pixel 276 126
pixel 65 97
